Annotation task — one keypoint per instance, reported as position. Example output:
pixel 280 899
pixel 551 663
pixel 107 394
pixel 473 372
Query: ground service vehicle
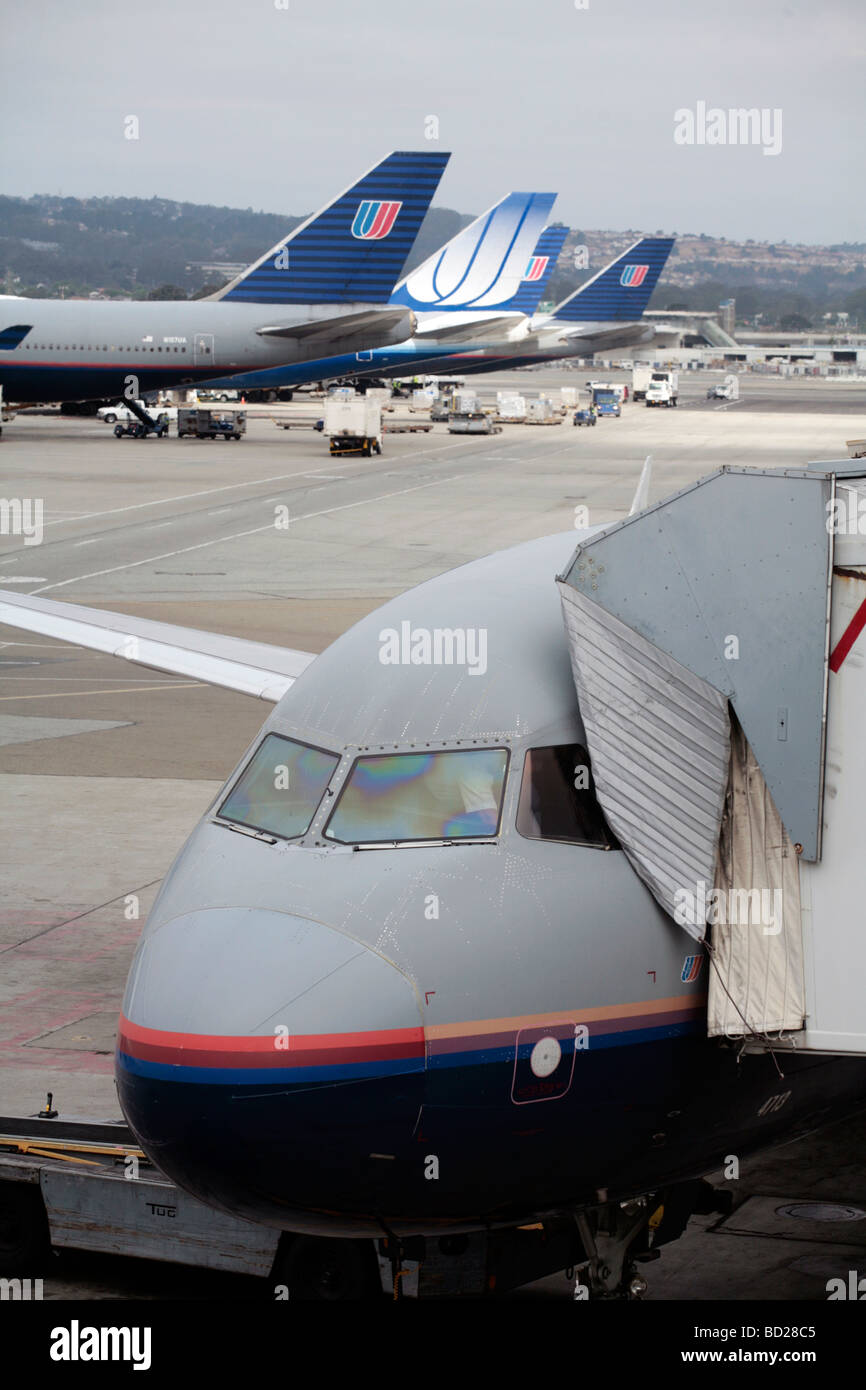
pixel 640 379
pixel 584 416
pixel 136 429
pixel 606 400
pixel 354 426
pixel 663 388
pixel 471 422
pixel 211 424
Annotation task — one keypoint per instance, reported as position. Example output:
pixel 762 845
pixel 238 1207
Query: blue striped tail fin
pixel 542 264
pixel 354 249
pixel 622 290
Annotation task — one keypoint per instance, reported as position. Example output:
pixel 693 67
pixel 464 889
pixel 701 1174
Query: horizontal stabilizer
pixel 353 250
pixel 252 668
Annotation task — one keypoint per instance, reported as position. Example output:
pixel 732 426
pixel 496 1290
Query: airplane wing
pixel 252 668
pixel 348 328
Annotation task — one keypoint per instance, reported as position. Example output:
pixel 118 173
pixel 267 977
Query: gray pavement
pixel 104 768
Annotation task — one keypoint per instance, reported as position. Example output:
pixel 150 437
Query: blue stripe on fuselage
pixel 359 1071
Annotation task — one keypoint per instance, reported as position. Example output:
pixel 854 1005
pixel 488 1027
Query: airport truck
pixel 200 423
pixel 606 399
pixel 663 388
pixel 640 379
pixel 354 426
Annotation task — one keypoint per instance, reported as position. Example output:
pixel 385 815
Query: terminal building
pixel 707 337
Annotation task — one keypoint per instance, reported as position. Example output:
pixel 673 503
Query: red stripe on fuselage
pixel 331 1049
pixel 303 1050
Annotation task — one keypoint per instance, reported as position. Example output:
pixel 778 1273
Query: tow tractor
pixel 136 430
pixel 142 425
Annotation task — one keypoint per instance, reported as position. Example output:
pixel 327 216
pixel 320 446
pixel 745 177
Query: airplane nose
pixel 272 1066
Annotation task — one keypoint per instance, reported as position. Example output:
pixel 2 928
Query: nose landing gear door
pixel 203 349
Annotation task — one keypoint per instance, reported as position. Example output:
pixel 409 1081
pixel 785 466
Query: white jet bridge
pixel 718 649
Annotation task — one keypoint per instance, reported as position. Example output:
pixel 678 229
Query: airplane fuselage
pixel 342 1034
pixel 79 350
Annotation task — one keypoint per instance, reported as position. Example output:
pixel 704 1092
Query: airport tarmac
pixel 104 768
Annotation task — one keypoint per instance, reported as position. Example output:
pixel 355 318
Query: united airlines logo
pixel 691 969
pixel 633 275
pixel 536 268
pixel 374 220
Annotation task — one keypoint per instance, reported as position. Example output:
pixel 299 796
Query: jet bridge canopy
pixel 730 579
pixel 700 634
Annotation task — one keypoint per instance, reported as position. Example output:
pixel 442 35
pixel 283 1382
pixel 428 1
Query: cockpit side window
pixel 558 801
pixel 421 796
pixel 280 787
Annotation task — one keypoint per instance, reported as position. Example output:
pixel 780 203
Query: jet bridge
pixel 716 646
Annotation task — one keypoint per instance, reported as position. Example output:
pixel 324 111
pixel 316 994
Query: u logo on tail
pixel 633 275
pixel 536 268
pixel 374 220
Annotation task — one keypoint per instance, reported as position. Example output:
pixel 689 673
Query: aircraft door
pixel 203 350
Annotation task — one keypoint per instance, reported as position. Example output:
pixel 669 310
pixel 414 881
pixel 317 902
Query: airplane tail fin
pixel 541 266
pixel 622 290
pixel 484 265
pixel 354 249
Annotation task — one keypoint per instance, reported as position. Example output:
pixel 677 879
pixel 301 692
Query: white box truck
pixel 663 388
pixel 354 426
pixel 640 379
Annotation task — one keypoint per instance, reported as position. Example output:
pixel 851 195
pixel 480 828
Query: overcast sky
pixel 245 104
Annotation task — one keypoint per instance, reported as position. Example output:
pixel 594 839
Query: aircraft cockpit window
pixel 558 801
pixel 421 796
pixel 280 787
